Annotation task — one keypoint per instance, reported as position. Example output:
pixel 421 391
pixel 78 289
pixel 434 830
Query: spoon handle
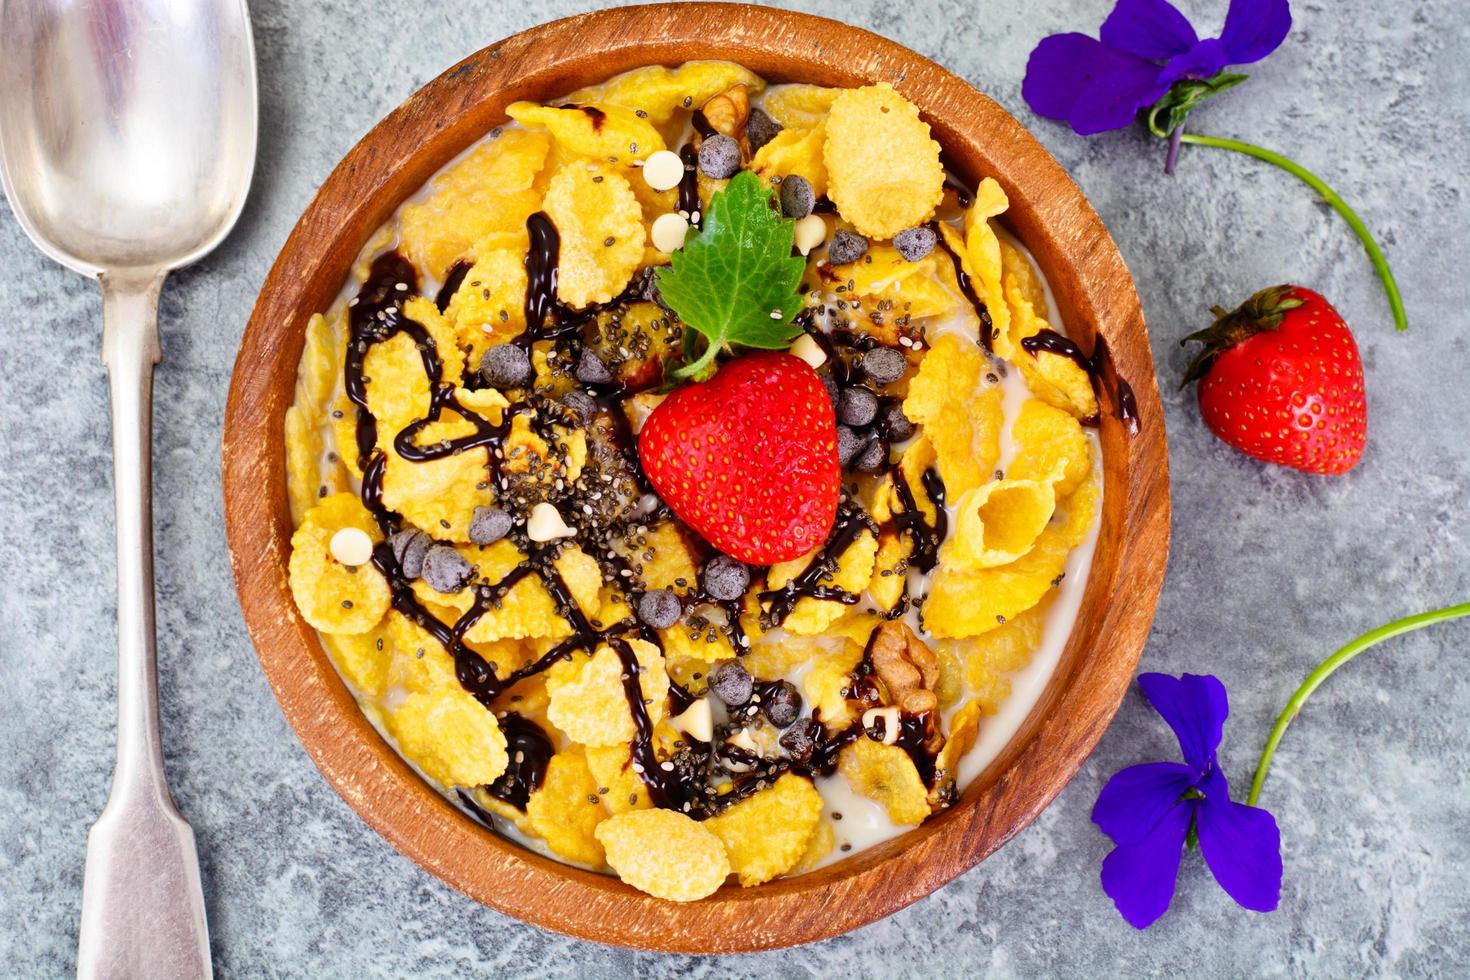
pixel 142 904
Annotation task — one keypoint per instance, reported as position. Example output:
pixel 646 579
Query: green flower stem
pixel 1395 301
pixel 1326 669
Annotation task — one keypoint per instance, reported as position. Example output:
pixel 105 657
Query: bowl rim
pixel 1095 294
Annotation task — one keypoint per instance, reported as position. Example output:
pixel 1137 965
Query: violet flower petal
pixel 1133 802
pixel 1152 29
pixel 1140 877
pixel 1204 60
pixel 1091 86
pixel 1195 706
pixel 1241 844
pixel 1254 28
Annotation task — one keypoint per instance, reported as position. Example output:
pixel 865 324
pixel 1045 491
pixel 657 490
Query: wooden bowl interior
pixel 1093 292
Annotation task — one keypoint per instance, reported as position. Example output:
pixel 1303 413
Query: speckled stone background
pixel 1270 570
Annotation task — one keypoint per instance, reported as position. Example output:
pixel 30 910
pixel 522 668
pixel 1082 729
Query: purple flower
pixel 1144 48
pixel 1150 810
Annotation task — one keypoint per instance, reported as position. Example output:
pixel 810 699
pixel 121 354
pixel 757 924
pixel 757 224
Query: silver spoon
pixel 127 142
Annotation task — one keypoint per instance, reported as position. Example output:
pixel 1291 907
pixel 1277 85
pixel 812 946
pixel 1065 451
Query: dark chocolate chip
pixel 489 525
pixel 915 243
pixel 445 569
pixel 857 407
pixel 581 404
pixel 884 365
pixel 506 366
pixel 732 683
pixel 725 578
pixel 797 197
pixel 409 546
pixel 849 445
pixel 719 157
pixel 800 740
pixel 781 703
pixel 896 424
pixel 659 608
pixel 590 369
pixel 846 247
pixel 760 129
pixel 873 457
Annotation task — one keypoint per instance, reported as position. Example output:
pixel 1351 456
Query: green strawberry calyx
pixel 1262 312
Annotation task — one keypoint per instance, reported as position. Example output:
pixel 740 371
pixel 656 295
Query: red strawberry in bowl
pixel 1280 379
pixel 748 459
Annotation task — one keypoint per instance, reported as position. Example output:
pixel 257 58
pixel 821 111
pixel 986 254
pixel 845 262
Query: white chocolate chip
pixel 890 722
pixel 809 350
pixel 668 232
pixel 810 232
pixel 351 546
pixel 696 721
pixel 742 740
pixel 546 524
pixel 663 170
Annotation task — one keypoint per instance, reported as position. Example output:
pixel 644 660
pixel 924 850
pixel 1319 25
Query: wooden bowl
pixel 1095 295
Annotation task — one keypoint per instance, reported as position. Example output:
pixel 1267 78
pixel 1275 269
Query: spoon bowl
pixel 127 130
pixel 127 143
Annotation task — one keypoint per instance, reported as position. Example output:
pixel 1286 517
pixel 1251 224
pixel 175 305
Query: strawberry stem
pixel 1326 669
pixel 1375 254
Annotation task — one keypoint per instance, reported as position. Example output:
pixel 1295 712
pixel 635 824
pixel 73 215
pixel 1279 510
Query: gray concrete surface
pixel 1270 570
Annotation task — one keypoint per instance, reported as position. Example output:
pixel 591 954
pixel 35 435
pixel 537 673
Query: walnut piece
pixel 728 111
pixel 907 668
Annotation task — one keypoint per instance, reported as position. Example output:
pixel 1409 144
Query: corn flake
pixel 1050 445
pixel 886 775
pixel 1054 378
pixel 800 106
pixel 566 810
pixel 854 570
pixel 961 419
pixel 489 307
pixel 661 91
pixel 588 702
pixel 664 853
pixel 883 168
pixel 588 214
pixel 620 787
pixel 766 834
pixel 334 597
pixel 604 132
pixel 451 736
pixel 964 727
pixel 795 151
pixel 998 522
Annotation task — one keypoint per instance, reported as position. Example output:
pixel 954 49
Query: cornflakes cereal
pixel 659 92
pixel 1050 445
pixel 767 833
pixel 692 734
pixel 333 597
pixel 489 191
pixel 964 727
pixel 587 699
pixel 566 810
pixel 800 106
pixel 450 736
pixel 605 132
pixel 960 418
pixel 883 168
pixel 998 522
pixel 854 570
pixel 886 775
pixel 665 854
pixel 602 235
pixel 794 151
pixel 1054 378
pixel 620 787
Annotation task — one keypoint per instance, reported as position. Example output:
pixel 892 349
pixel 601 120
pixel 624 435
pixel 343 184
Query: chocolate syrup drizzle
pixel 1100 368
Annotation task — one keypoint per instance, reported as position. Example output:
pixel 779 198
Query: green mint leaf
pixel 735 281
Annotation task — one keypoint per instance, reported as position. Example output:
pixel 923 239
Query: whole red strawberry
pixel 1281 380
pixel 748 459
